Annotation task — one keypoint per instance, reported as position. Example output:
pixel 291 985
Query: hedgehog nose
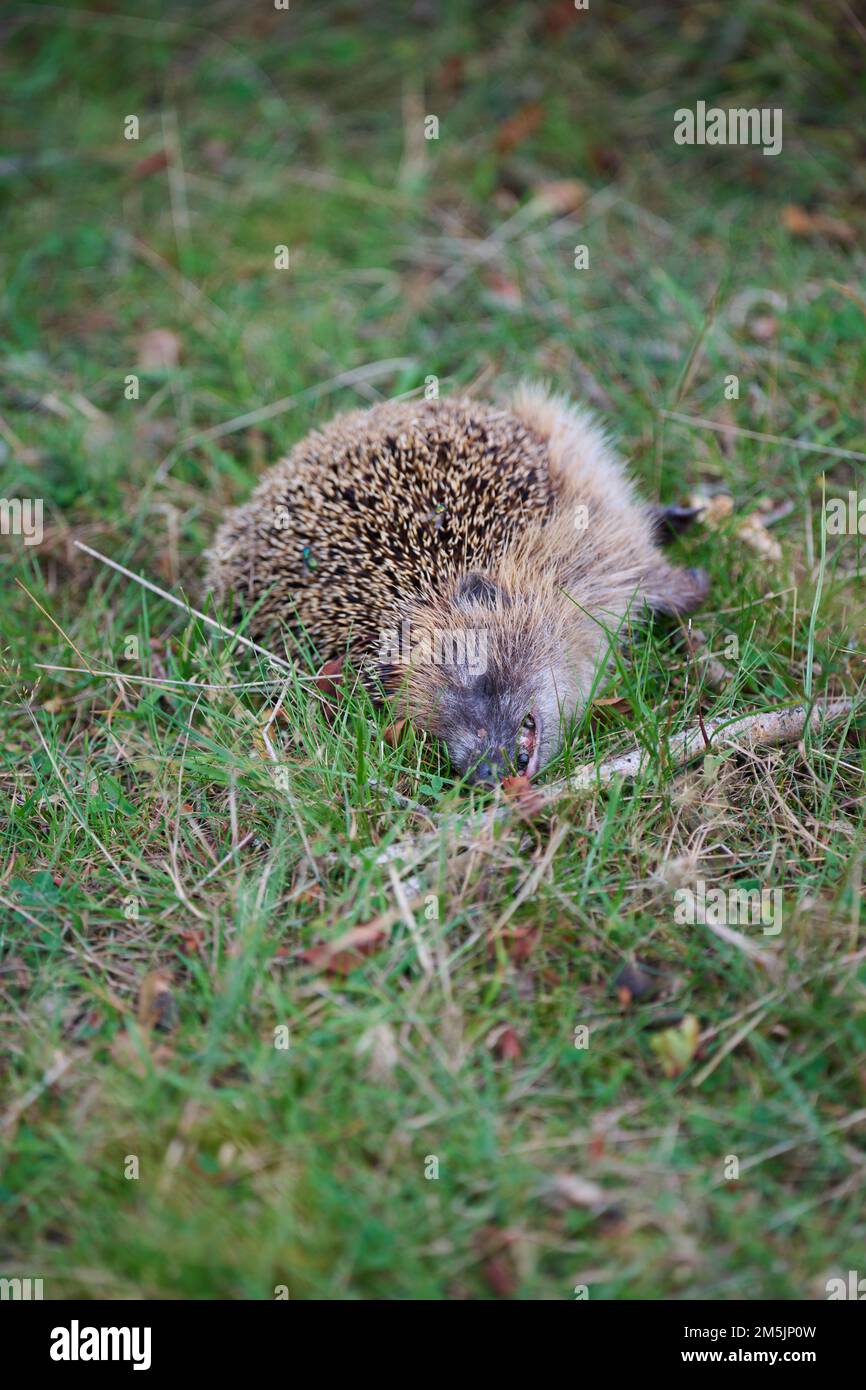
pixel 486 773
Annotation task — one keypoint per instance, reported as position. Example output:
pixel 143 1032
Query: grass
pixel 164 891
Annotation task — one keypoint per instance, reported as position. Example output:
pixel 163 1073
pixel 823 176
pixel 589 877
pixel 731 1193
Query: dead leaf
pixel 500 288
pixel 380 1043
pixel 799 222
pixel 157 1007
pixel 192 941
pixel 498 1263
pixel 561 196
pixel 676 1047
pixel 346 952
pixel 151 164
pixel 505 1042
pixel 633 982
pixel 158 350
pixel 559 16
pixel 714 510
pixel 571 1190
pixel 394 732
pixel 17 973
pixel 518 127
pixel 526 798
pixel 327 679
pixel 755 534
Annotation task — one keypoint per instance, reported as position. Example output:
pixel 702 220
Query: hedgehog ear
pixel 476 589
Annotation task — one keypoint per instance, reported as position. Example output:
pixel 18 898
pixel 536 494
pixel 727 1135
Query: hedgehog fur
pixel 477 561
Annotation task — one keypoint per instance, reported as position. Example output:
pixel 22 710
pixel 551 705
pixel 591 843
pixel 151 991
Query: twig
pixel 178 603
pixel 759 434
pixel 771 727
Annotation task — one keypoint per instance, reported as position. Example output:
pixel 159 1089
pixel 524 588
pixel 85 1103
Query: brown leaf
pixel 526 798
pixel 346 952
pixel 16 973
pixel 519 127
pixel 505 1043
pixel 561 196
pixel 633 982
pixel 450 76
pixel 498 1264
pixel 327 679
pixel 157 1007
pixel 394 732
pixel 158 349
pixel 571 1190
pixel 559 16
pixel 504 291
pixel 151 164
pixel 799 222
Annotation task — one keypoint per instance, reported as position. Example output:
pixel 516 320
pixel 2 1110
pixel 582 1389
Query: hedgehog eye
pixel 525 743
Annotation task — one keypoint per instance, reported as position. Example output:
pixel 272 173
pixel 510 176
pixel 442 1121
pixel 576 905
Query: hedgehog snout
pixel 487 773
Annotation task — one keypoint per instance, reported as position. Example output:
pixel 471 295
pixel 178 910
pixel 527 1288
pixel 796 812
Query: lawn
pixel 197 1098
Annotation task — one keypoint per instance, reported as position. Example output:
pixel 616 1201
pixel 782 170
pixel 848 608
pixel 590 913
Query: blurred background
pixel 279 240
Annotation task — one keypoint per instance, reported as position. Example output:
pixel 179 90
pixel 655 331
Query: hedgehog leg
pixel 669 589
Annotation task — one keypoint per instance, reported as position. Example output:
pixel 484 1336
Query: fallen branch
pixel 772 727
pixel 752 730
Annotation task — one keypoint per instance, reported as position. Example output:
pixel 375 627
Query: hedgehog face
pixel 487 682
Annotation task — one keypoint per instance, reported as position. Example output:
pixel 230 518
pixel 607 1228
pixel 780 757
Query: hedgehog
pixel 477 562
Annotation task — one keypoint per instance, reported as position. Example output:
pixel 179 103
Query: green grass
pixel 147 833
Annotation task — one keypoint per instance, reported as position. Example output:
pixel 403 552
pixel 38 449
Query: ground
pixel 197 1101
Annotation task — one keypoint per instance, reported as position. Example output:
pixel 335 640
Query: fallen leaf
pixel 526 798
pixel 753 531
pixel 571 1190
pixel 157 1007
pixel 559 16
pixel 633 982
pixel 505 1043
pixel 393 733
pixel 561 196
pixel 346 952
pixel 134 1055
pixel 799 222
pixel 498 1263
pixel 151 164
pixel 327 679
pixel 675 1047
pixel 14 968
pixel 450 75
pixel 380 1043
pixel 518 127
pixel 502 290
pixel 158 350
pixel 714 510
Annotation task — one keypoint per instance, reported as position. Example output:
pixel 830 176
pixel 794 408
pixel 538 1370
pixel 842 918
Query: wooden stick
pixel 754 730
pixel 771 727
